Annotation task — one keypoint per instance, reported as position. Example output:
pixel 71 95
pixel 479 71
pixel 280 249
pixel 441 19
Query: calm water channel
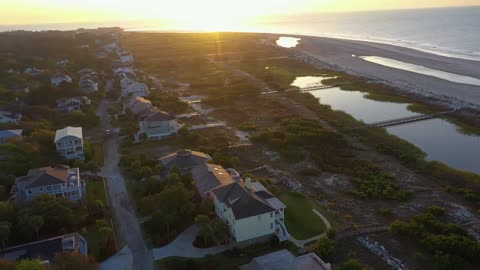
pixel 438 138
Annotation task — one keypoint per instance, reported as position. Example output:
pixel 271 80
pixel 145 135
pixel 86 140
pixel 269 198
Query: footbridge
pixel 404 120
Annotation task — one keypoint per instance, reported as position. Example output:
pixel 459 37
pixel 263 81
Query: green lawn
pixel 96 191
pixel 98 154
pixel 300 220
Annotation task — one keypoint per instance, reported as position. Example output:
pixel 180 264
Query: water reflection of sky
pixel 307 81
pixel 288 42
pixel 422 70
pixel 436 137
pixel 367 110
pixel 441 141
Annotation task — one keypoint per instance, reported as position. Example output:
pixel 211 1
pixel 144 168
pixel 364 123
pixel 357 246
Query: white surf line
pixel 452 77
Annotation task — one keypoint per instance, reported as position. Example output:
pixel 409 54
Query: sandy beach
pixel 337 53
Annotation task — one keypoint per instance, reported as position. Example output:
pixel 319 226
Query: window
pixel 271 226
pixel 271 215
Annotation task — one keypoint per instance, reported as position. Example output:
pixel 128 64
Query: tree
pixel 36 222
pixel 4 232
pixel 30 265
pixel 325 248
pixel 74 261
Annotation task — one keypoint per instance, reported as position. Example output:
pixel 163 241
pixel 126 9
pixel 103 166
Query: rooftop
pixel 210 176
pixel 184 159
pixel 244 202
pixel 68 131
pixel 285 260
pixel 45 176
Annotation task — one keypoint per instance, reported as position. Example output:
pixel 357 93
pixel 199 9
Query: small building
pixel 132 88
pixel 158 125
pixel 285 260
pixel 6 135
pixel 69 143
pixel 59 78
pixel 72 104
pixel 7 117
pixel 250 211
pixel 62 62
pixel 58 181
pixel 208 177
pixel 33 71
pixel 45 250
pixel 87 85
pixel 185 160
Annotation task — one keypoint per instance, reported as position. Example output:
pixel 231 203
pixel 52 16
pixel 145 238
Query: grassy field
pixel 300 220
pixel 96 191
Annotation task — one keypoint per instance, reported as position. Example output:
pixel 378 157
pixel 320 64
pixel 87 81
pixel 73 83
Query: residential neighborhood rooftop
pixel 58 174
pixel 184 159
pixel 285 260
pixel 210 176
pixel 68 131
pixel 244 201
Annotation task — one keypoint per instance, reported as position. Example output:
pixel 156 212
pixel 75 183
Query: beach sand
pixel 338 54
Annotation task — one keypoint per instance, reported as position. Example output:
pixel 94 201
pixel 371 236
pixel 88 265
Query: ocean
pixel 452 32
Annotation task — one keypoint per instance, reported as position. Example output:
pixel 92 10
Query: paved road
pixel 128 229
pixel 182 247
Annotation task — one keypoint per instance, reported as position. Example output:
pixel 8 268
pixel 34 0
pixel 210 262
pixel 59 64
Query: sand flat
pixel 338 52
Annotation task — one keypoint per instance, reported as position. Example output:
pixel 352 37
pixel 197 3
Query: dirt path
pixel 128 231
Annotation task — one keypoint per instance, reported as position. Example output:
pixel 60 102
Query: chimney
pixel 248 183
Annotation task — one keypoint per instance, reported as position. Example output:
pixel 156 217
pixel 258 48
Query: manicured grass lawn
pixel 96 191
pixel 300 220
pixel 98 155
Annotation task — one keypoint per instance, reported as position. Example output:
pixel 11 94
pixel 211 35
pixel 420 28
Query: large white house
pixel 158 125
pixel 58 181
pixel 250 210
pixel 69 142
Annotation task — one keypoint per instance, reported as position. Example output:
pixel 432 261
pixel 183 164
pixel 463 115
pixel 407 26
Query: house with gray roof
pixel 250 210
pixel 58 181
pixel 285 260
pixel 69 142
pixel 185 160
pixel 6 135
pixel 208 177
pixel 158 124
pixel 46 249
pixel 59 78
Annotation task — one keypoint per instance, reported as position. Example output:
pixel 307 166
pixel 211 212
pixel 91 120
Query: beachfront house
pixel 58 181
pixel 285 260
pixel 46 249
pixel 69 143
pixel 158 125
pixel 10 134
pixel 250 210
pixel 59 78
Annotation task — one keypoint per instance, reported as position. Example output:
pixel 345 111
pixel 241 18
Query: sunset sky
pixel 192 11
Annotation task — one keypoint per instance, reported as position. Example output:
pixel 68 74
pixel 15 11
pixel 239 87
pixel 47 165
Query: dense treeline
pixel 451 246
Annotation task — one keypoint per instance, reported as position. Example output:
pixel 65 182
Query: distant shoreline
pixel 337 53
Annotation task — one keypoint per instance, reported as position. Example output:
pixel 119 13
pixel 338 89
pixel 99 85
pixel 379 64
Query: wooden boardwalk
pixel 404 120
